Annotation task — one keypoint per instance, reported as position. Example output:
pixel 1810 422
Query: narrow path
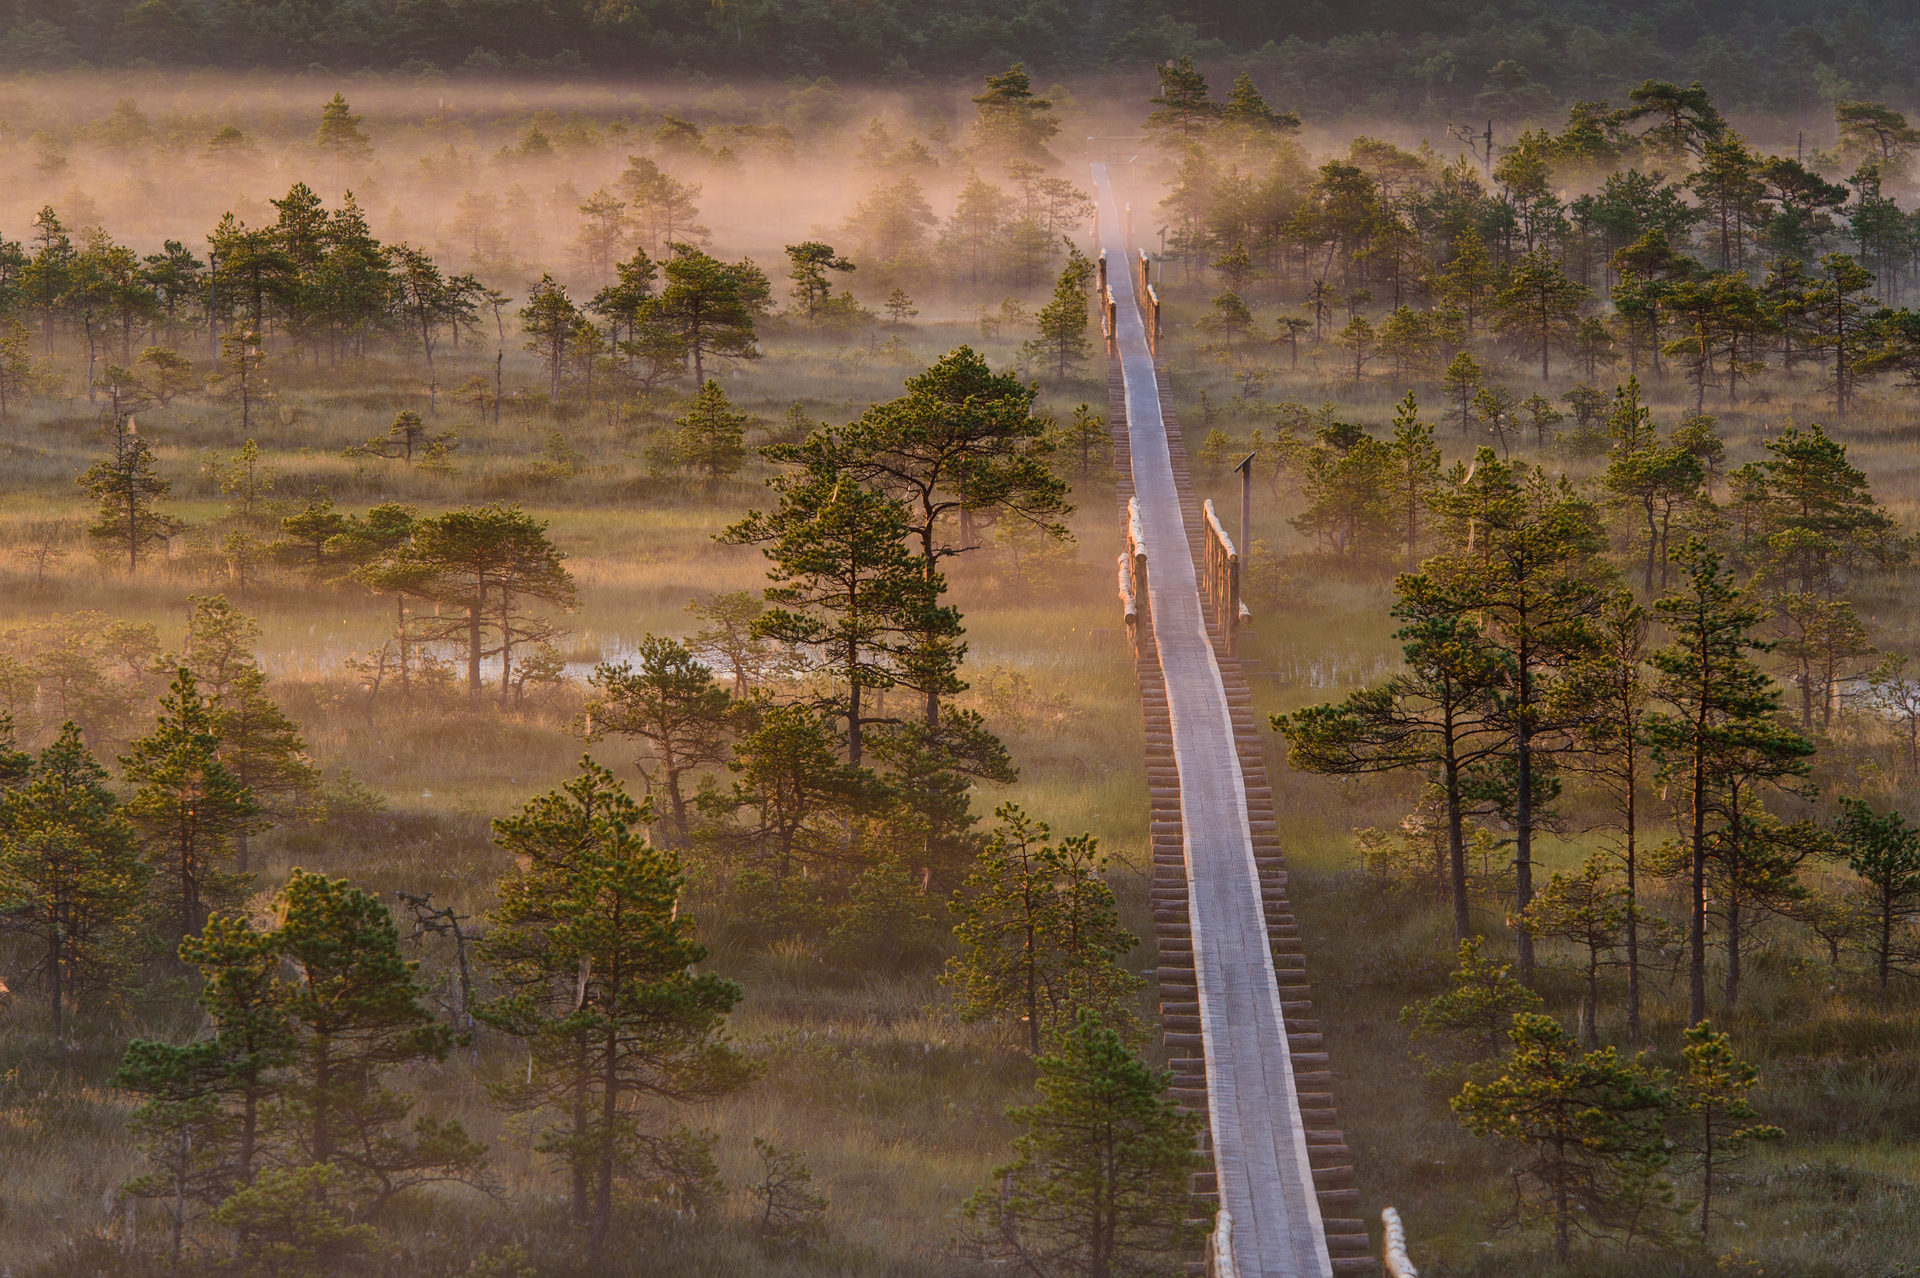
pixel 1263 1173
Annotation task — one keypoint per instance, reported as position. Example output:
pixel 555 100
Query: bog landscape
pixel 847 639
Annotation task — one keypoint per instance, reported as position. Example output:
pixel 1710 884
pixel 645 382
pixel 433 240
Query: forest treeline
pixel 1690 246
pixel 1644 235
pixel 1416 59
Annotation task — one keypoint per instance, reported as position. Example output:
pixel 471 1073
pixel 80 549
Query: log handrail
pixel 1222 583
pixel 1133 565
pixel 1220 1247
pixel 1394 1254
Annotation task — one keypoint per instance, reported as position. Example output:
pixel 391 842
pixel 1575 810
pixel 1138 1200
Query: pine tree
pixel 624 301
pixel 710 306
pixel 71 877
pixel 1010 120
pixel 1063 321
pixel 1439 718
pixel 206 1120
pixel 1589 914
pixel 812 290
pixel 1885 853
pixel 548 319
pixel 309 531
pixel 1360 342
pixel 1607 696
pixel 963 443
pixel 1589 1127
pixel 1721 741
pixel 1716 1115
pixel 489 563
pixel 1658 479
pixel 588 937
pixel 1469 279
pixel 129 488
pixel 283 1224
pixel 846 587
pixel 1810 519
pixel 240 380
pixel 1525 567
pixel 16 365
pixel 672 703
pixel 1040 934
pixel 662 207
pixel 189 808
pixel 1540 305
pixel 339 135
pixel 1416 469
pixel 712 437
pixel 356 1014
pixel 259 744
pixel 900 307
pixel 803 797
pixel 1473 1017
pixel 1462 380
pixel 1099 1184
pixel 1184 108
pixel 1838 313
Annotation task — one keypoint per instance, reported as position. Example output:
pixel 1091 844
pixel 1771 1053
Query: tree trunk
pixel 473 645
pixel 1633 913
pixel 853 705
pixel 1457 852
pixel 1733 949
pixel 53 973
pixel 506 643
pixel 322 1142
pixel 1697 926
pixel 578 1160
pixel 609 1115
pixel 1523 838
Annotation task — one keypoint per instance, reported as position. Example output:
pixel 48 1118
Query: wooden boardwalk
pixel 1225 930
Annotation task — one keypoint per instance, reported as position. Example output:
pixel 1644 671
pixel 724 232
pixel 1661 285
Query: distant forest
pixel 1374 58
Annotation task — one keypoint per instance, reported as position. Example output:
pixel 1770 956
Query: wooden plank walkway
pixel 1243 1048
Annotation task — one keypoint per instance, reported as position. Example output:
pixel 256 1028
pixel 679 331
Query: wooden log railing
pixel 1220 1247
pixel 1129 603
pixel 1149 303
pixel 1133 576
pixel 1394 1254
pixel 1222 582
